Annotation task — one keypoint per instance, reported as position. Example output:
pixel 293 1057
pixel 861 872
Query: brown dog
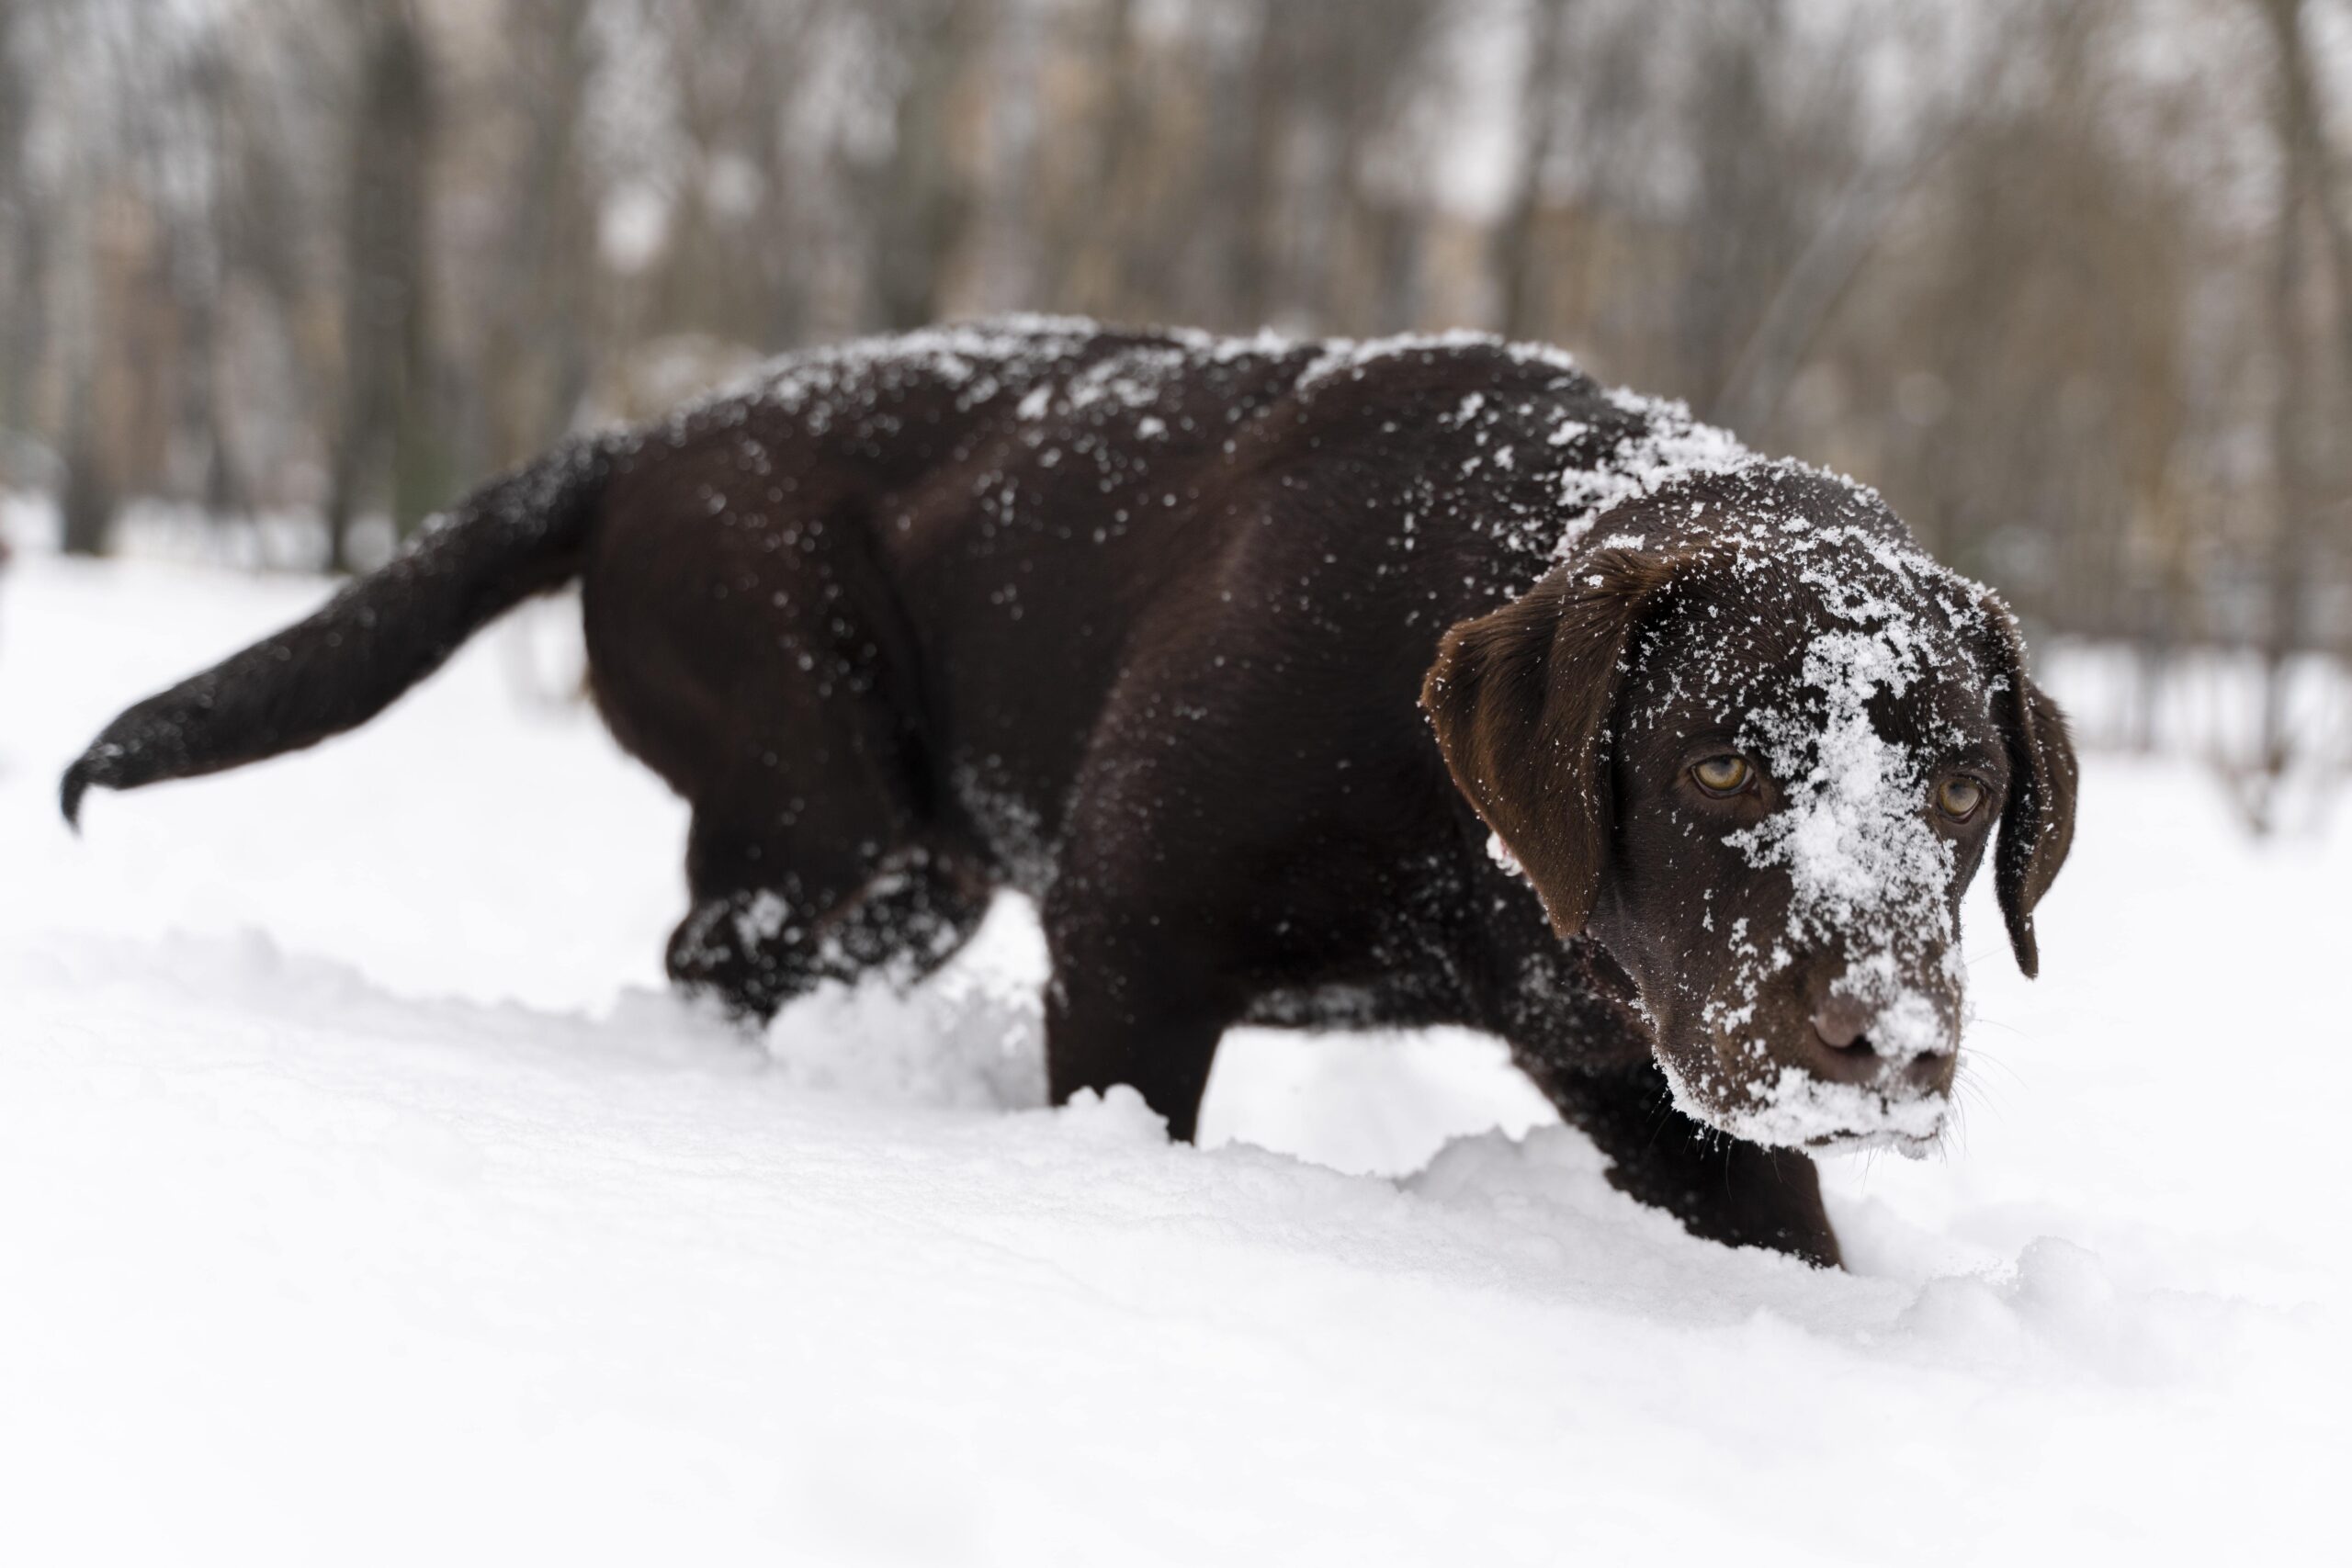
pixel 1406 682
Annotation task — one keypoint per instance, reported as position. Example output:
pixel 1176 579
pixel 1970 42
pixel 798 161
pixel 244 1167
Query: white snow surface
pixel 363 1199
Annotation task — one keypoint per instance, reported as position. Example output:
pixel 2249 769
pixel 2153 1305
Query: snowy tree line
pixel 2069 279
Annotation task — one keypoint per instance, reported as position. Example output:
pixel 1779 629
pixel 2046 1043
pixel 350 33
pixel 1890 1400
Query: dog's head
pixel 1756 747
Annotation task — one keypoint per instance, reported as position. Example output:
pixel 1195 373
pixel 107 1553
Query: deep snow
pixel 362 1199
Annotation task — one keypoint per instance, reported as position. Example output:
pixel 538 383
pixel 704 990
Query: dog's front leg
pixel 1721 1188
pixel 1130 1004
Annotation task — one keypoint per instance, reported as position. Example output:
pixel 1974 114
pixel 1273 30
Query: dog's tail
pixel 519 534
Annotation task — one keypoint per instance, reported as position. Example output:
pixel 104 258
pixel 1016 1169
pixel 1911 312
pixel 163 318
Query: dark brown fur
pixel 906 629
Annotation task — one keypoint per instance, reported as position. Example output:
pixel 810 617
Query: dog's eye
pixel 1726 774
pixel 1959 796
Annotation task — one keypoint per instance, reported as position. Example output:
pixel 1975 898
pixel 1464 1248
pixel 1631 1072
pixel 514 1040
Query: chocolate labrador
pixel 1407 682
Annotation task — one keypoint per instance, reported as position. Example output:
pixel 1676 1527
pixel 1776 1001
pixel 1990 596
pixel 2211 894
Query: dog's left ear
pixel 1520 700
pixel 2037 824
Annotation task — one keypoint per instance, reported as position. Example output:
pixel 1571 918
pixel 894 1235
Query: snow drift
pixel 363 1200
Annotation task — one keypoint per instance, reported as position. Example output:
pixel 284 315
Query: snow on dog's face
pixel 1756 747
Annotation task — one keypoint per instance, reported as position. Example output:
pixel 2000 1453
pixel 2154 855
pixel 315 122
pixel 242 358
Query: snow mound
pixel 364 1199
pixel 974 1039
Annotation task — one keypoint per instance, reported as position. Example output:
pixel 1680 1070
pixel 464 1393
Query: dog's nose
pixel 1845 1053
pixel 1932 1074
pixel 1843 1023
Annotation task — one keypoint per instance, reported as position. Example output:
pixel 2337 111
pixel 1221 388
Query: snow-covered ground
pixel 362 1198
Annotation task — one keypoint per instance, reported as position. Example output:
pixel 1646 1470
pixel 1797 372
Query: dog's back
pixel 991 553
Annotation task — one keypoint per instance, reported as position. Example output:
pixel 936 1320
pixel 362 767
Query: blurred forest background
pixel 2070 280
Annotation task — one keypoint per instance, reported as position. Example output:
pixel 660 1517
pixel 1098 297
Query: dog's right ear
pixel 2037 824
pixel 1522 699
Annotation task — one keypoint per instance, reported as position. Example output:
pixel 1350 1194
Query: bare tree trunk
pixel 19 312
pixel 199 272
pixel 1254 256
pixel 24 339
pixel 385 433
pixel 1085 267
pixel 88 497
pixel 1742 216
pixel 2302 128
pixel 2296 478
pixel 1375 238
pixel 86 509
pixel 923 209
pixel 538 291
pixel 1518 267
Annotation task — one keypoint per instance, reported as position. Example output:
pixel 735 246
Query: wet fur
pixel 916 635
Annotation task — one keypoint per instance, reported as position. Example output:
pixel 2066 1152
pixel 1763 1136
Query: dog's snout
pixel 1843 1023
pixel 1843 1049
